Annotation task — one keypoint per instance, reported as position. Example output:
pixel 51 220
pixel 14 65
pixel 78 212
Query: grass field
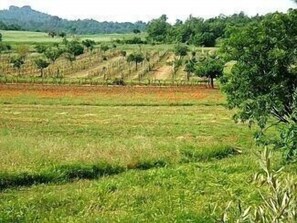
pixel 40 37
pixel 121 154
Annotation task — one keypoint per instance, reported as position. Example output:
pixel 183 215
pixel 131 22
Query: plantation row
pixel 99 65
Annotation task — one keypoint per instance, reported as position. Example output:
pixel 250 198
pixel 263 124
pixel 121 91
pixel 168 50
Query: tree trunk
pixel 211 82
pixel 136 65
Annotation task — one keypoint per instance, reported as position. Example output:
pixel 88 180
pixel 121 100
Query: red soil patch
pixel 168 93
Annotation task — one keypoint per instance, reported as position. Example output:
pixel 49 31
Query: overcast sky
pixel 145 10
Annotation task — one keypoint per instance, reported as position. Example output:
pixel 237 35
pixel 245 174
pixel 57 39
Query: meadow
pixel 121 154
pixel 40 37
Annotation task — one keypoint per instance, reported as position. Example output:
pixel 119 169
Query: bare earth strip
pixel 99 66
pixel 164 71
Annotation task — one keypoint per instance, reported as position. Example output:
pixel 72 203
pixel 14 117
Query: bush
pixel 120 82
pixel 135 40
pixel 279 206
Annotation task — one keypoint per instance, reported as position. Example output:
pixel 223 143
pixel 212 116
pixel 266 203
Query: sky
pixel 145 10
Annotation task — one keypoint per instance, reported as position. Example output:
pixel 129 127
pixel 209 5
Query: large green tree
pixel 158 29
pixel 263 81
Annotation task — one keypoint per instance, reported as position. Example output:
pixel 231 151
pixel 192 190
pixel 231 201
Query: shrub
pixel 279 206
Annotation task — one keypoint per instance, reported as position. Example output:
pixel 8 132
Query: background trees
pixel 181 50
pixel 158 29
pixel 195 30
pixel 263 81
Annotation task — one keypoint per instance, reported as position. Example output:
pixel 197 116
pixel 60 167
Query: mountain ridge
pixel 29 19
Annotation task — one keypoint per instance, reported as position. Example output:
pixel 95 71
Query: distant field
pixel 120 154
pixel 39 37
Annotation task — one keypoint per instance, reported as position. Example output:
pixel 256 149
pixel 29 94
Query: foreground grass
pixel 120 155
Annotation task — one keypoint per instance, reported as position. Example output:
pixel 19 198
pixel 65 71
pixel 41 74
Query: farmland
pixel 100 138
pixel 160 64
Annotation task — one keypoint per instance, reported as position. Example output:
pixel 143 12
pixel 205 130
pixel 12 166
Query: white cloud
pixel 133 10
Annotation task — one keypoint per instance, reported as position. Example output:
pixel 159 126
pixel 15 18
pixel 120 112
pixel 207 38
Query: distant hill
pixel 26 18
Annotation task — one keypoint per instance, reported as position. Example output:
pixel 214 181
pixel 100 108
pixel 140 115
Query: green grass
pixel 40 37
pixel 121 155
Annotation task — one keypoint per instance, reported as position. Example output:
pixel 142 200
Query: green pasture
pixel 40 37
pixel 157 155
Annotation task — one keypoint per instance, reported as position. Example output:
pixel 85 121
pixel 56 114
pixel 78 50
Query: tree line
pixel 197 31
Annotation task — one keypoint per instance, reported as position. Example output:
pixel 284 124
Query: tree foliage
pixel 41 64
pixel 17 63
pixel 53 53
pixel 158 29
pixel 89 44
pixel 52 34
pixel 190 67
pixel 135 57
pixel 136 31
pixel 195 30
pixel 40 48
pixel 4 47
pixel 74 47
pixel 181 50
pixel 263 81
pixel 210 67
pixel 104 47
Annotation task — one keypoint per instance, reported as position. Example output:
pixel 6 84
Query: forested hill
pixel 26 18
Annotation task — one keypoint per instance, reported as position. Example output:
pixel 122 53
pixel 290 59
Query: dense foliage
pixel 263 82
pixel 4 26
pixel 27 19
pixel 194 30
